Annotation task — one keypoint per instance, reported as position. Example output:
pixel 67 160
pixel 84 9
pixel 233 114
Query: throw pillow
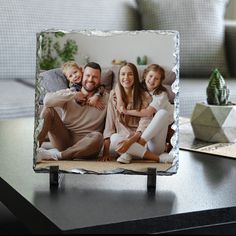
pixel 53 80
pixel 201 27
pixel 107 79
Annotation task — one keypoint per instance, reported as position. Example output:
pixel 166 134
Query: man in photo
pixel 77 133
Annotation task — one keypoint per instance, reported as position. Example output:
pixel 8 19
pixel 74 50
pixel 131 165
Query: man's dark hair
pixel 93 65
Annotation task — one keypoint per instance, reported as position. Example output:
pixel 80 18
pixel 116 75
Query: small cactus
pixel 217 91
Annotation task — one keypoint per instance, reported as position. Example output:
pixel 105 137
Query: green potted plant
pixel 214 121
pixel 217 91
pixel 52 53
pixel 142 60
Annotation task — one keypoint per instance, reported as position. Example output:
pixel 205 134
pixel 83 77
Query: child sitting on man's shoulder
pixel 74 74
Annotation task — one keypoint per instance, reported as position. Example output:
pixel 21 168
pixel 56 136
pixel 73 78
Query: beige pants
pixel 62 139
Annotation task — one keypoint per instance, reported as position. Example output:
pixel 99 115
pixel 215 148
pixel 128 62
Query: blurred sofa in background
pixel 207 41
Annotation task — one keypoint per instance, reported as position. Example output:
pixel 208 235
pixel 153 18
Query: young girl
pixel 152 81
pixel 74 74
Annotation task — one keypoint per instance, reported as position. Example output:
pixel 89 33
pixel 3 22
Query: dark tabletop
pixel 202 192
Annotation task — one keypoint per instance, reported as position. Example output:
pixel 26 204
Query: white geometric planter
pixel 213 123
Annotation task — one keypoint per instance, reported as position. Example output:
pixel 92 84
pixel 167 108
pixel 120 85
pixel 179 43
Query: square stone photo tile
pixel 107 102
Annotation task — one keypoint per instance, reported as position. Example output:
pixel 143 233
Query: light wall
pixel 158 46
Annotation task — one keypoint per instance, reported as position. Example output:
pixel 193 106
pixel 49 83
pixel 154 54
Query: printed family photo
pixel 107 102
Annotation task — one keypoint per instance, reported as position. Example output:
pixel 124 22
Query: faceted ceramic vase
pixel 213 123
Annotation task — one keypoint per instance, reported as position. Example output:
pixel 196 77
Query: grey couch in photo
pixel 207 41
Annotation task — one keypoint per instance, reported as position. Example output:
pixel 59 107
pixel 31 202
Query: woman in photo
pixel 123 130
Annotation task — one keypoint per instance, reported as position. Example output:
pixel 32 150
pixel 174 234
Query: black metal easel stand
pixel 151 179
pixel 55 178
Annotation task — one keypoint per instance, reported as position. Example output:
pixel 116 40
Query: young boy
pixel 74 74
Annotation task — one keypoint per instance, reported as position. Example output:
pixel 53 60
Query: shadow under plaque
pixel 110 50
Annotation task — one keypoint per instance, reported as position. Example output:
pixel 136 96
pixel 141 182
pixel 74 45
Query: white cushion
pixel 201 27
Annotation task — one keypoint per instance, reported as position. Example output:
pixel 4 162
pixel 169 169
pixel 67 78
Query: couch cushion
pixel 230 42
pixel 21 20
pixel 17 99
pixel 201 27
pixel 53 80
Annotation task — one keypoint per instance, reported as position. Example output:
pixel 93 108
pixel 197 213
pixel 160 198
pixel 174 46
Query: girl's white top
pixel 161 101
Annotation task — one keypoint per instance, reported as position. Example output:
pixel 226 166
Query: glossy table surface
pixel 203 192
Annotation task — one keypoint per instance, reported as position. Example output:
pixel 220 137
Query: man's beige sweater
pixel 80 120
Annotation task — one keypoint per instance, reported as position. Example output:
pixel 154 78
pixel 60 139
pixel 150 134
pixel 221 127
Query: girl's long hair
pixel 138 90
pixel 155 68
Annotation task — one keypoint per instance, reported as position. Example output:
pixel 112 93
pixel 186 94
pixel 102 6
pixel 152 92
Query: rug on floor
pixel 99 167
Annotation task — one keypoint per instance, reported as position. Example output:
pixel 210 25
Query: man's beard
pixel 90 90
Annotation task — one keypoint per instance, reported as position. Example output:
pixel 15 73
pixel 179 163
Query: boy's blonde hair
pixel 67 65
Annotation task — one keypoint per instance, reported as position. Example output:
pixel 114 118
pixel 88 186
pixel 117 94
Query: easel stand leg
pixel 55 177
pixel 151 179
